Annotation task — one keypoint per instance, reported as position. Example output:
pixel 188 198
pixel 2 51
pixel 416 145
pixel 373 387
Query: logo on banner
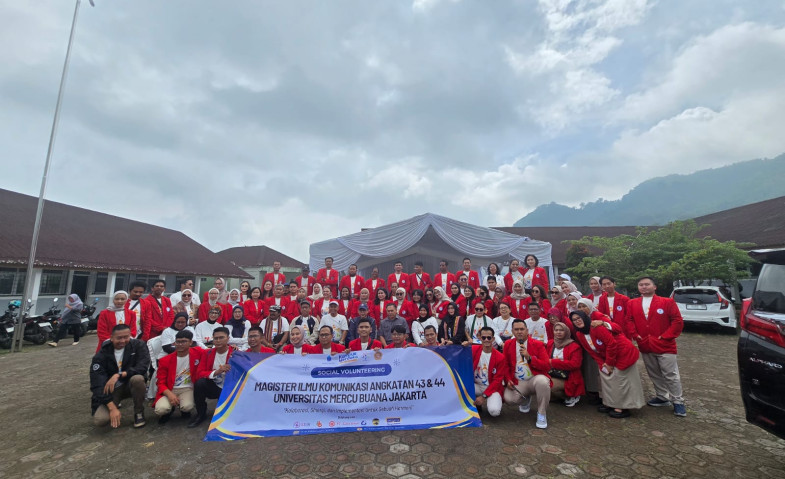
pixel 375 421
pixel 393 420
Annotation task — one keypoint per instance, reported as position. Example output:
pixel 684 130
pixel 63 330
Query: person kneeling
pixel 117 372
pixel 176 372
pixel 527 372
pixel 489 372
pixel 211 374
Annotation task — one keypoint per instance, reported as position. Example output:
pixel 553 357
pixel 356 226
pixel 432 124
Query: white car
pixel 704 304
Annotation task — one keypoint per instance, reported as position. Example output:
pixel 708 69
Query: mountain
pixel 675 197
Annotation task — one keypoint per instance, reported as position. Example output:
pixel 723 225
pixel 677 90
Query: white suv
pixel 704 304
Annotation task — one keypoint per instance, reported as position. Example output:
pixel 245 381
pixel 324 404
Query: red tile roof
pixel 251 256
pixel 77 238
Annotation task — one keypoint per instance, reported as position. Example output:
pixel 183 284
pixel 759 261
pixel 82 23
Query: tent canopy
pixel 428 238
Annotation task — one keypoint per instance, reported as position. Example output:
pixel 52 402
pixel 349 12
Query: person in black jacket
pixel 117 372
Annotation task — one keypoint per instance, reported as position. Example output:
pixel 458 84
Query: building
pixel 93 254
pixel 258 260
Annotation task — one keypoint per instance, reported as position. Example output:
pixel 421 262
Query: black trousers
pixel 205 389
pixel 63 331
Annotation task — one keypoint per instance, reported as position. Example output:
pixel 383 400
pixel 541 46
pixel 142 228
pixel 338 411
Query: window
pixel 53 282
pixel 148 278
pixel 696 296
pixel 12 281
pixel 120 282
pixel 100 283
pixel 178 280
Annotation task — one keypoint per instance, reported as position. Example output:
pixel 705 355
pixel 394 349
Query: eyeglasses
pixel 399 294
pixel 324 335
pixel 554 292
pixel 486 338
pixel 479 309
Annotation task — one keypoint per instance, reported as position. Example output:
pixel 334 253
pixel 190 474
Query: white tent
pixel 428 238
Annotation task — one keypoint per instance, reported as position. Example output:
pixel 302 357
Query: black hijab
pixel 238 325
pixel 586 322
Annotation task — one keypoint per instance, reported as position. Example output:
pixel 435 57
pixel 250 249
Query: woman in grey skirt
pixel 616 357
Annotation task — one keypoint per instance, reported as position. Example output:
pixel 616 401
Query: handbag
pixel 558 373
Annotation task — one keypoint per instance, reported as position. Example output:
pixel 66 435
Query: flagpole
pixel 16 345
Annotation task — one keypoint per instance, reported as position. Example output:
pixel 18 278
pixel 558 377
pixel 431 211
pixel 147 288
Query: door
pixel 79 284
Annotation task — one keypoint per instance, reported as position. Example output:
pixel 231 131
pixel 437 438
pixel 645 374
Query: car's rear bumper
pixel 726 321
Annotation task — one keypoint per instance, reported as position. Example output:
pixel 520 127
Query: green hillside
pixel 674 197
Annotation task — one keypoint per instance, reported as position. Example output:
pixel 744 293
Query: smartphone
pixel 605 370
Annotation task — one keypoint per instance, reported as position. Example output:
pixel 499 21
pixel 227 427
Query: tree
pixel 674 252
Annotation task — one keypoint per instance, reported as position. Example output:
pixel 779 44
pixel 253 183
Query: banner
pixel 283 394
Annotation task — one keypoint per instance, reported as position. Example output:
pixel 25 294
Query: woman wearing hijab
pixel 517 300
pixel 440 302
pixel 455 292
pixel 255 308
pixel 363 298
pixel 212 302
pixel 297 344
pixel 188 306
pixel 223 294
pixel 616 356
pixel 453 327
pixel 234 298
pixel 238 329
pixel 180 323
pixel 424 319
pixel 533 273
pixel 114 314
pixel 71 317
pixel 566 358
pixel 596 290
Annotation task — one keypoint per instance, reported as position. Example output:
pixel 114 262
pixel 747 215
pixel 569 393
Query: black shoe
pixel 198 419
pixel 619 415
pixel 604 409
pixel 593 399
pixel 185 415
pixel 139 420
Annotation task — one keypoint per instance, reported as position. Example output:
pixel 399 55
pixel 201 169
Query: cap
pixel 275 307
pixel 304 302
pixel 333 303
pixel 565 276
pixel 363 306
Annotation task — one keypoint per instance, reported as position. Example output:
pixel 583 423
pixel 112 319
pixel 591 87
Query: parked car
pixel 705 304
pixel 761 349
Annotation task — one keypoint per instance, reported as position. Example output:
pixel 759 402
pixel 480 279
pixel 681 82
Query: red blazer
pixel 517 310
pixel 107 321
pixel 279 278
pixel 619 307
pixel 407 310
pixel 658 333
pixel 614 350
pixel 226 312
pixel 289 349
pixel 474 278
pixel 405 345
pixel 379 311
pixel 345 307
pixel 317 349
pixel 356 344
pixel 573 359
pixel 380 283
pixel 359 283
pixel 403 283
pixel 497 370
pixel 311 281
pixel 208 361
pixel 354 307
pixel 545 306
pixel 508 281
pixel 463 306
pixel 330 280
pixel 154 318
pixel 540 277
pixel 167 370
pixel 262 350
pixel 538 363
pixel 285 306
pixel 255 312
pixel 416 283
pixel 441 309
pixel 436 280
pixel 489 306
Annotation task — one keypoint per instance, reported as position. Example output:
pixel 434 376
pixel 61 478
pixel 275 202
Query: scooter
pixel 32 331
pixel 88 322
pixel 35 331
pixel 7 323
pixel 48 321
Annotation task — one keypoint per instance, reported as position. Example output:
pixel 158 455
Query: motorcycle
pixel 35 331
pixel 32 331
pixel 7 323
pixel 89 323
pixel 48 321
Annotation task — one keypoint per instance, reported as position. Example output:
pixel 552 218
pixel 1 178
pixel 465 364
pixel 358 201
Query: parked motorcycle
pixel 33 332
pixel 48 320
pixel 89 323
pixel 7 323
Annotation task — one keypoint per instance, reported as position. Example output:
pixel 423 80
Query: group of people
pixel 527 338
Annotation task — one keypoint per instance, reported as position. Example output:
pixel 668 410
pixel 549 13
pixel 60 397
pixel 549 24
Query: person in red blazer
pixel 533 273
pixel 406 309
pixel 328 276
pixel 275 276
pixel 490 369
pixel 513 274
pixel 176 387
pixel 398 276
pixel 345 301
pixel 255 309
pixel 374 282
pixel 517 301
pixel 326 343
pixel 398 334
pixel 364 330
pixel 158 313
pixel 539 296
pixel 472 276
pixel 353 281
pixel 613 304
pixel 364 298
pixel 483 296
pixel 527 372
pixel 254 339
pixel 443 278
pixel 569 360
pixel 419 279
pixel 211 374
pixel 654 323
pixel 279 299
pixel 305 280
pixel 616 357
pixel 118 313
pixel 378 308
pixel 204 308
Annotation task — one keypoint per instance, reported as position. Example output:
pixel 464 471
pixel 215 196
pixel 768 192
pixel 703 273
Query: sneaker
pixel 604 409
pixel 525 405
pixel 658 402
pixel 164 419
pixel 52 343
pixel 139 420
pixel 196 420
pixel 75 343
pixel 542 422
pixel 680 410
pixel 570 402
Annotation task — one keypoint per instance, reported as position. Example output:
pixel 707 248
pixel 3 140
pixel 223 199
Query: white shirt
pixel 338 323
pixel 118 357
pixel 502 327
pixel 220 360
pixel 537 329
pixel 178 296
pixel 136 307
pixel 558 353
pixel 168 337
pixel 242 342
pixel 522 369
pixel 444 281
pixel 596 298
pixel 474 325
pixel 527 279
pixel 610 304
pixel 182 376
pixel 274 325
pixel 204 331
pixel 119 316
pixel 418 329
pixel 646 303
pixel 481 373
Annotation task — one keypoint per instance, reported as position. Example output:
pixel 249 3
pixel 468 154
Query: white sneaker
pixel 542 422
pixel 525 405
pixel 570 402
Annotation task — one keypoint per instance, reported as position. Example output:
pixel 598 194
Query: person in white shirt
pixel 535 323
pixel 276 329
pixel 135 303
pixel 178 296
pixel 337 322
pixel 208 385
pixel 477 321
pixel 176 373
pixel 238 328
pixel 204 330
pixel 503 322
pixel 423 320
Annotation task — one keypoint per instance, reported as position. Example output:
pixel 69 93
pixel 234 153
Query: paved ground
pixel 47 432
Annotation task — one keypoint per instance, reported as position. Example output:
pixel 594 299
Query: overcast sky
pixel 291 122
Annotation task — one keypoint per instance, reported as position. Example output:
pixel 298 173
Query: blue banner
pixel 282 395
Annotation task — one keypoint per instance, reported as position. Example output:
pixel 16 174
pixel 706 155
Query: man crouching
pixel 118 372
